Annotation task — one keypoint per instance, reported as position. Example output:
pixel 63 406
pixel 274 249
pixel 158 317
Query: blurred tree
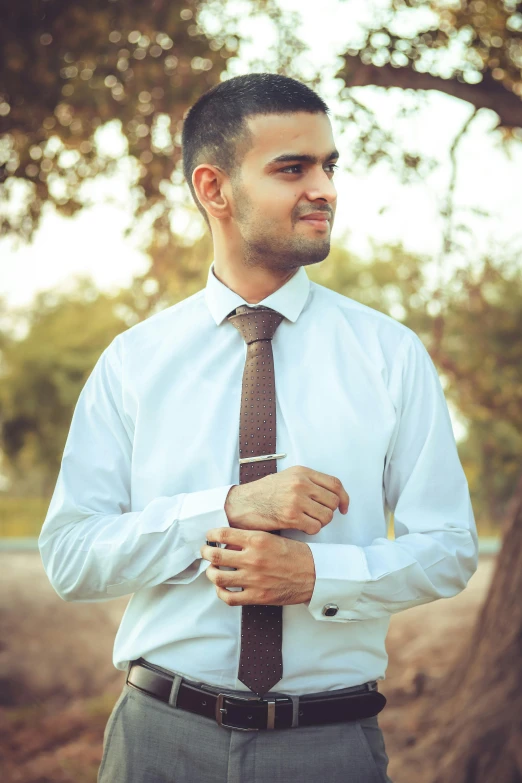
pixel 470 50
pixel 492 458
pixel 66 69
pixel 42 375
pixel 480 719
pixel 70 70
pixel 471 730
pixel 165 282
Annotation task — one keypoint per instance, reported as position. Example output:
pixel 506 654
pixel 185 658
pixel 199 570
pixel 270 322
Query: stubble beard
pixel 260 249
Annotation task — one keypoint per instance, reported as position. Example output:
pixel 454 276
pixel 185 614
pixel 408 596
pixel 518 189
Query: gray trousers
pixel 149 741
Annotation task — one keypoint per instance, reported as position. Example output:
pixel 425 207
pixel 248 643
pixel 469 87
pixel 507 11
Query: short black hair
pixel 214 128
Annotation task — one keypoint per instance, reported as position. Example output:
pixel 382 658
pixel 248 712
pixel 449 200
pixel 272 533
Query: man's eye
pixel 299 166
pixel 291 167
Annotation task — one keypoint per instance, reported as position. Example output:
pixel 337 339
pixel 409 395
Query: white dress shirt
pixel 153 450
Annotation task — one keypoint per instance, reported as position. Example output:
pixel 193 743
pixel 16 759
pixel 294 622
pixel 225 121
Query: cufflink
pixel 330 610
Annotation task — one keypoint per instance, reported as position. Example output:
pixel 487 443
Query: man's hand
pixel 272 570
pixel 297 498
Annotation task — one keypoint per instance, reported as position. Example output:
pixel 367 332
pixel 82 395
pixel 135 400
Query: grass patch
pixel 22 517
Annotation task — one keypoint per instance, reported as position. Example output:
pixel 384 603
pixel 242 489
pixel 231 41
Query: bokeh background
pixel 98 232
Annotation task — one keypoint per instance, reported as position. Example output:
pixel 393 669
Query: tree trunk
pixel 473 731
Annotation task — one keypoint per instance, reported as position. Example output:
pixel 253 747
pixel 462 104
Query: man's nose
pixel 322 186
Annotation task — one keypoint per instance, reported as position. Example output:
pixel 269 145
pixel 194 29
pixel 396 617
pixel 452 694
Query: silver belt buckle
pixel 221 710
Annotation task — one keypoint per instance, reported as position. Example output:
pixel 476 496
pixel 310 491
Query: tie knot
pixel 255 323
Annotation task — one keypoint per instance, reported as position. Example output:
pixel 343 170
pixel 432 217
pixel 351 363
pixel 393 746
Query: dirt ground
pixel 58 684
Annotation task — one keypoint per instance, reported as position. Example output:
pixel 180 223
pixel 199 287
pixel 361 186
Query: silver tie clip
pixel 260 459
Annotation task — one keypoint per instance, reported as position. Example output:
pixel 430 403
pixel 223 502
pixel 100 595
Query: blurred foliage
pixel 165 282
pixel 68 68
pixel 42 375
pixel 471 50
pixel 22 517
pixel 492 458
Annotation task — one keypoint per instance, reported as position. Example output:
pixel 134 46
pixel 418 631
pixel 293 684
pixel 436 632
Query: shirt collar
pixel 288 300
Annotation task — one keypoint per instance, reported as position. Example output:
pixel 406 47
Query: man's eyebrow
pixel 289 157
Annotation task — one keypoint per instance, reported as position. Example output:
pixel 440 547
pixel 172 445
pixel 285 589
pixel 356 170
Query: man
pixel 232 462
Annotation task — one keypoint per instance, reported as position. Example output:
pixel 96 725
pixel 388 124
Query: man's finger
pixel 221 557
pixel 237 597
pixel 229 535
pixel 224 579
pixel 244 597
pixel 230 597
pixel 328 482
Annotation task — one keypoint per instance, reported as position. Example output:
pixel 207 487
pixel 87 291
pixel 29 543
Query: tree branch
pixel 488 94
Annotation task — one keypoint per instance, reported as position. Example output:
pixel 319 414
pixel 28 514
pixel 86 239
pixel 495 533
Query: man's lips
pixel 315 216
pixel 318 220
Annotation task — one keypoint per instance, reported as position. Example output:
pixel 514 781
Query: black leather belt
pixel 251 713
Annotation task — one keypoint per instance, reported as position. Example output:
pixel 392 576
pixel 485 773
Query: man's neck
pixel 253 284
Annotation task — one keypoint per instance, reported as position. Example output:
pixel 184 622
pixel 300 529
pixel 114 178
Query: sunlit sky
pixel 372 206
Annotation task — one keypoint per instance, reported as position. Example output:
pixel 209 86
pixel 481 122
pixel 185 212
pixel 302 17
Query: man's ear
pixel 210 185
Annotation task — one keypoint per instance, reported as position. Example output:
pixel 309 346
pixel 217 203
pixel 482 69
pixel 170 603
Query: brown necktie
pixel 260 659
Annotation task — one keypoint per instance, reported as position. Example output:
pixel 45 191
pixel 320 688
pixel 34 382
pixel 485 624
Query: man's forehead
pixel 299 133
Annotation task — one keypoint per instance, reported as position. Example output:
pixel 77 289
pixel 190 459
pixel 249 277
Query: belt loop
pixel 173 698
pixel 295 711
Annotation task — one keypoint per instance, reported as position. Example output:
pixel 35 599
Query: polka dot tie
pixel 260 658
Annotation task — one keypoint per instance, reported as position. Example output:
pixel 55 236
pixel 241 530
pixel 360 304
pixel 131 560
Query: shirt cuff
pixel 341 572
pixel 201 511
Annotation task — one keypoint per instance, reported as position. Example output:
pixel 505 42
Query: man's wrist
pixel 308 583
pixel 231 506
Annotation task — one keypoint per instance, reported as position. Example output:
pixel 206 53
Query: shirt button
pixel 330 610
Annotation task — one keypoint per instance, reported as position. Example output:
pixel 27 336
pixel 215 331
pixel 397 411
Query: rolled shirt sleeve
pixel 435 551
pixel 92 546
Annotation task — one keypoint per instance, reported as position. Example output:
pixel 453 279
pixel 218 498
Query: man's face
pixel 272 196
